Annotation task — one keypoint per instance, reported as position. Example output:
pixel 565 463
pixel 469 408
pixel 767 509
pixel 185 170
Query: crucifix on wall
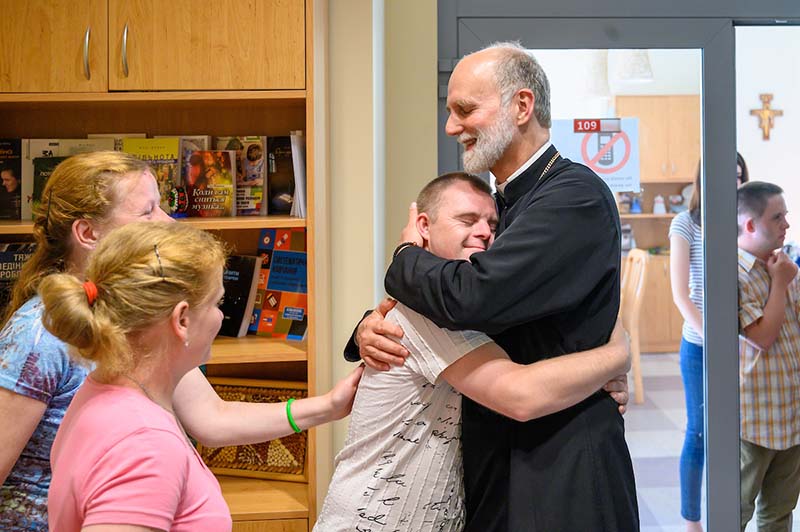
pixel 766 115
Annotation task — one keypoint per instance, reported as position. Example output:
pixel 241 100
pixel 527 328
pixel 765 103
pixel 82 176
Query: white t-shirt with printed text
pixel 400 468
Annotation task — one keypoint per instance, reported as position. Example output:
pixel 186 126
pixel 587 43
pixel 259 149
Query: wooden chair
pixel 631 297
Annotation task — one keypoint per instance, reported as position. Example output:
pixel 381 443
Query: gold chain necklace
pixel 147 394
pixel 547 168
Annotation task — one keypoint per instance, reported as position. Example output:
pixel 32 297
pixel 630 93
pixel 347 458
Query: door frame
pixel 467 25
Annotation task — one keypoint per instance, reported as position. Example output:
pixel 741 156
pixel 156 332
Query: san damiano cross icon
pixel 766 115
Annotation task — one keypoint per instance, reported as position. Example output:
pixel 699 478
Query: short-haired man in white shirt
pixel 400 468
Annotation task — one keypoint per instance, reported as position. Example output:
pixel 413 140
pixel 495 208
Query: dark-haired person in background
pixel 686 276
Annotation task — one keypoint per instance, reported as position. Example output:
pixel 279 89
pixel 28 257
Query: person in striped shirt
pixel 769 360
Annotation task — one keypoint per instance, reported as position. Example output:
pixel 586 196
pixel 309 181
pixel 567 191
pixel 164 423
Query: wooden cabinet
pixel 191 45
pixel 669 154
pixel 270 47
pixel 50 46
pixel 669 135
pixel 660 322
pixel 146 45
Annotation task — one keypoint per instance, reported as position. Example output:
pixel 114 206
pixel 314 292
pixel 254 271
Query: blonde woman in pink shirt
pixel 145 316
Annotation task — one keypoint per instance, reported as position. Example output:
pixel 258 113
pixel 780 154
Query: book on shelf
pixel 240 279
pixel 210 187
pixel 11 175
pixel 42 169
pixel 12 256
pixel 118 137
pixel 250 172
pixel 280 175
pixel 282 285
pixel 299 165
pixel 163 156
pixel 34 148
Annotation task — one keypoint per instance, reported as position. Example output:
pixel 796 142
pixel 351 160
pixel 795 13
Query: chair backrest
pixel 632 290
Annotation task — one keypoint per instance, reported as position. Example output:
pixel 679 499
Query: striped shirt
pixel 769 381
pixel 683 226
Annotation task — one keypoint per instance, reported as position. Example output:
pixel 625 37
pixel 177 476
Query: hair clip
pixel 160 266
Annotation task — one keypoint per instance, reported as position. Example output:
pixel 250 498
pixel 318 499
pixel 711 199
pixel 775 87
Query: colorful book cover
pixel 42 169
pixel 280 175
pixel 11 175
pixel 33 148
pixel 283 285
pixel 163 156
pixel 12 256
pixel 210 187
pixel 250 173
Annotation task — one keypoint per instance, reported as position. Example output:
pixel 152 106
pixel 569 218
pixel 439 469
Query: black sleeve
pixel 351 353
pixel 548 260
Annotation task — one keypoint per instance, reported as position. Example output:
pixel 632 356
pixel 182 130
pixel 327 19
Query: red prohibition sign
pixel 591 162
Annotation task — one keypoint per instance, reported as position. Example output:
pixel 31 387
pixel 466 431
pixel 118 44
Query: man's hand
pixel 781 268
pixel 617 388
pixel 378 351
pixel 410 232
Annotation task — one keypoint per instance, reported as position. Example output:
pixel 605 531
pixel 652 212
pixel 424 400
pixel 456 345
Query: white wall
pixel 577 78
pixel 768 61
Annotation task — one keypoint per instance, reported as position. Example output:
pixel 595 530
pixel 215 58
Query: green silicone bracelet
pixel 289 416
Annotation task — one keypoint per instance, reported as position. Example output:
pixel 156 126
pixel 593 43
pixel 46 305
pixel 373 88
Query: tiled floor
pixel 654 431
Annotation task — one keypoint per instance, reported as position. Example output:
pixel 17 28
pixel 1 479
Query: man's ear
pixel 424 226
pixel 750 225
pixel 179 321
pixel 85 234
pixel 523 103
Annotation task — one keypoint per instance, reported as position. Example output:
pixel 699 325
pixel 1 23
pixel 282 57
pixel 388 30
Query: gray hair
pixel 518 69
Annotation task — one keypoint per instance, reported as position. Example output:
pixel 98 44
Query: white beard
pixel 490 144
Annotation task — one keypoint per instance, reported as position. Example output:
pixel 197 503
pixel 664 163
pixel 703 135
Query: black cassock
pixel 548 286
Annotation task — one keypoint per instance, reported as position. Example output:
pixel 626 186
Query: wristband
pixel 401 247
pixel 289 416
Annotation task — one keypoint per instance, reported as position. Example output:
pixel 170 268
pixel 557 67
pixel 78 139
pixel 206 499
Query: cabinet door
pixel 43 46
pixel 217 45
pixel 659 330
pixel 652 112
pixel 684 137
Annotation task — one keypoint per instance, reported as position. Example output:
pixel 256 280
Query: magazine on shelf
pixel 299 165
pixel 118 137
pixel 210 186
pixel 11 175
pixel 250 172
pixel 12 256
pixel 240 279
pixel 33 148
pixel 163 156
pixel 280 175
pixel 282 285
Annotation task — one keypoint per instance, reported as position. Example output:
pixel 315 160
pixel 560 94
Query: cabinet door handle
pixel 125 51
pixel 663 168
pixel 674 168
pixel 86 71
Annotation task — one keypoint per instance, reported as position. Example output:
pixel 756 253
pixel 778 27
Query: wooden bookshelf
pixel 54 99
pixel 256 349
pixel 235 223
pixel 278 97
pixel 254 499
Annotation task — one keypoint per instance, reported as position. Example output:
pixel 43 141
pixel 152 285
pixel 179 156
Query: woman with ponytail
pixel 85 198
pixel 145 316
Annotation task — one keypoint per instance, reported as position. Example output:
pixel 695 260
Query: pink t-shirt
pixel 119 458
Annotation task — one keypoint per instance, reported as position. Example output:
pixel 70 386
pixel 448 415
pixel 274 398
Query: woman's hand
pixel 344 393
